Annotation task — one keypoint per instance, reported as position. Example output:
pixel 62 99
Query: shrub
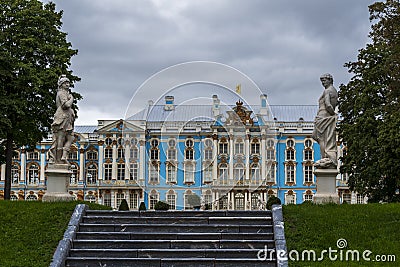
pixel 271 201
pixel 142 206
pixel 161 205
pixel 194 201
pixel 123 206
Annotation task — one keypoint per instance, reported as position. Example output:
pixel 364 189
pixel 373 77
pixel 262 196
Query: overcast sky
pixel 283 46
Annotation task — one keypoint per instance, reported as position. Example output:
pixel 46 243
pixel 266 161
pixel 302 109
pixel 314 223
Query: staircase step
pixel 178 220
pixel 178 228
pixel 179 213
pixel 168 253
pixel 170 236
pixel 169 262
pixel 174 244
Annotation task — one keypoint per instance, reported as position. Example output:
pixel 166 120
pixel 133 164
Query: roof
pixel 85 128
pixel 185 113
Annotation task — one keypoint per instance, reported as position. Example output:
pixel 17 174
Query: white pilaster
pixel 231 156
pixel 3 172
pixel 23 165
pixel 101 159
pixel 81 163
pixel 263 173
pixel 142 163
pixel 245 199
pixel 215 161
pixel 42 164
pixel 127 165
pixel 114 160
pixel 247 155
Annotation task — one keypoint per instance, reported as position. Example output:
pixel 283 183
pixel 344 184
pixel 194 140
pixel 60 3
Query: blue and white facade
pixel 232 157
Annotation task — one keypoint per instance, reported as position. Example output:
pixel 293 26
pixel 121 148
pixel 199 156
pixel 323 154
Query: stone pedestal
pixel 57 183
pixel 326 186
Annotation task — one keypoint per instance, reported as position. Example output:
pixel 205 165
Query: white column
pixel 113 200
pixel 247 154
pixel 215 161
pixel 101 159
pixel 23 165
pixel 263 156
pixel 231 158
pixel 142 163
pixel 245 199
pixel 81 163
pixel 3 172
pixel 217 198
pixel 42 164
pixel 114 160
pixel 229 200
pixel 250 198
pixel 127 155
pixel 232 200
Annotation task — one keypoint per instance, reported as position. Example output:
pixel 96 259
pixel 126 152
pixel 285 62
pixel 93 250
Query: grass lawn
pixel 30 231
pixel 373 227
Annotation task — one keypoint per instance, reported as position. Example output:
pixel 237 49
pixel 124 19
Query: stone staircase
pixel 173 238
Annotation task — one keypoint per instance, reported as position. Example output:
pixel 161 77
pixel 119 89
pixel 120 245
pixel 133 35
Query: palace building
pixel 231 157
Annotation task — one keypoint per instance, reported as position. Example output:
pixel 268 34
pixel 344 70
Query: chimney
pixel 215 107
pixel 169 103
pixel 264 105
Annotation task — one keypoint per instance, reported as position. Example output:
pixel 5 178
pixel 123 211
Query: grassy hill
pixel 30 231
pixel 373 227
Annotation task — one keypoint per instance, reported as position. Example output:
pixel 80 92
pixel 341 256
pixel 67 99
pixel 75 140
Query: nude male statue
pixel 325 124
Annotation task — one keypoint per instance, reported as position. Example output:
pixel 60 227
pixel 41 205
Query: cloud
pixel 284 46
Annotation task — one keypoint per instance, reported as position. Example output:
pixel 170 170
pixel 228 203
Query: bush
pixel 161 205
pixel 123 206
pixel 142 206
pixel 271 201
pixel 194 201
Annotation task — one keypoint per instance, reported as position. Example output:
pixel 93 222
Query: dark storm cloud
pixel 284 46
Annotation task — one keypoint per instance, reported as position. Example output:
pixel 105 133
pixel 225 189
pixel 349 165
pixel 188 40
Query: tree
pixel 369 105
pixel 34 52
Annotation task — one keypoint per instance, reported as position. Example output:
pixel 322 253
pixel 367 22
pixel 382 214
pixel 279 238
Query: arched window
pixel 31 198
pixel 13 197
pixel 308 150
pixel 108 141
pixel 255 197
pixel 91 198
pixel 73 179
pixel 33 174
pixel 189 151
pixel 91 173
pixel 154 152
pixel 290 152
pixel 171 199
pixel 208 149
pixel 290 197
pixel 308 196
pixel 153 199
pixel 223 202
pixel 15 173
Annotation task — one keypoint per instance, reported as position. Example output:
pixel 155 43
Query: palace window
pixel 73 180
pixel 73 155
pixel 189 173
pixel 255 172
pixel 108 153
pixel 308 151
pixel 239 201
pixel 223 202
pixel 171 154
pixel 208 154
pixel 121 153
pixel 255 146
pixel 108 141
pixel 254 201
pixel 239 147
pixel 134 142
pixel 207 197
pixel 154 152
pixel 223 173
pixel 91 198
pixel 13 197
pixel 171 200
pixel 360 199
pixel 33 174
pixel 154 173
pixel 133 171
pixel 119 198
pixel 121 171
pixel 120 141
pixel 223 146
pixel 189 152
pixel 290 152
pixel 15 173
pixel 290 173
pixel 33 155
pixel 290 198
pixel 171 173
pixel 207 174
pixel 31 198
pixel 346 198
pixel 15 155
pixel 153 199
pixel 271 170
pixel 107 171
pixel 308 173
pixel 107 199
pixel 133 153
pixel 133 201
pixel 91 174
pixel 91 155
pixel 308 196
pixel 238 172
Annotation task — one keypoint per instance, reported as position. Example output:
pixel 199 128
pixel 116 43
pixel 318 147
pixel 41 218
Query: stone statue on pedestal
pixel 325 124
pixel 63 124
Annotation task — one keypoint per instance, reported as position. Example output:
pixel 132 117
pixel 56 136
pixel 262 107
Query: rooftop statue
pixel 325 124
pixel 63 124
